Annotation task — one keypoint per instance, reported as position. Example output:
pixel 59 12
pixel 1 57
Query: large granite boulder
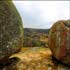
pixel 11 30
pixel 59 41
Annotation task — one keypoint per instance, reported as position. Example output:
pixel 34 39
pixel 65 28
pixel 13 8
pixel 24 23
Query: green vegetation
pixel 33 53
pixel 35 37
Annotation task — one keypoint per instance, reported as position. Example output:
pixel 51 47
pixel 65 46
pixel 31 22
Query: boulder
pixel 59 41
pixel 11 30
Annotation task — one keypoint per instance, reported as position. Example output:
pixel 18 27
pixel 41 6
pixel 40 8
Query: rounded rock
pixel 59 41
pixel 11 29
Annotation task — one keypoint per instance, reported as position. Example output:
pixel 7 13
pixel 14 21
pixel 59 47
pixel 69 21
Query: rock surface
pixel 59 41
pixel 11 30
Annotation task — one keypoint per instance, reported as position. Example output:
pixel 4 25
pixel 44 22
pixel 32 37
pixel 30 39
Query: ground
pixel 34 58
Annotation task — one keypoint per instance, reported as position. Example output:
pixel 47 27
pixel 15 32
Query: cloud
pixel 42 14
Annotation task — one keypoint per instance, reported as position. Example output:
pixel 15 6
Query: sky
pixel 42 14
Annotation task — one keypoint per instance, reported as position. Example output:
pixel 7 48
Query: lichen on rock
pixel 11 29
pixel 59 41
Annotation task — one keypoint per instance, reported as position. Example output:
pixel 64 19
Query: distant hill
pixel 29 31
pixel 35 37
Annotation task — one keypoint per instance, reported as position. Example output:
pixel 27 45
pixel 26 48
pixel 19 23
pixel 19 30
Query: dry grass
pixel 34 59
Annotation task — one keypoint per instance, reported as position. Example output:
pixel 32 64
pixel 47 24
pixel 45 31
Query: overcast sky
pixel 42 14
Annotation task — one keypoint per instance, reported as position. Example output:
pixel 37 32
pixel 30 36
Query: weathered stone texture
pixel 11 30
pixel 59 40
